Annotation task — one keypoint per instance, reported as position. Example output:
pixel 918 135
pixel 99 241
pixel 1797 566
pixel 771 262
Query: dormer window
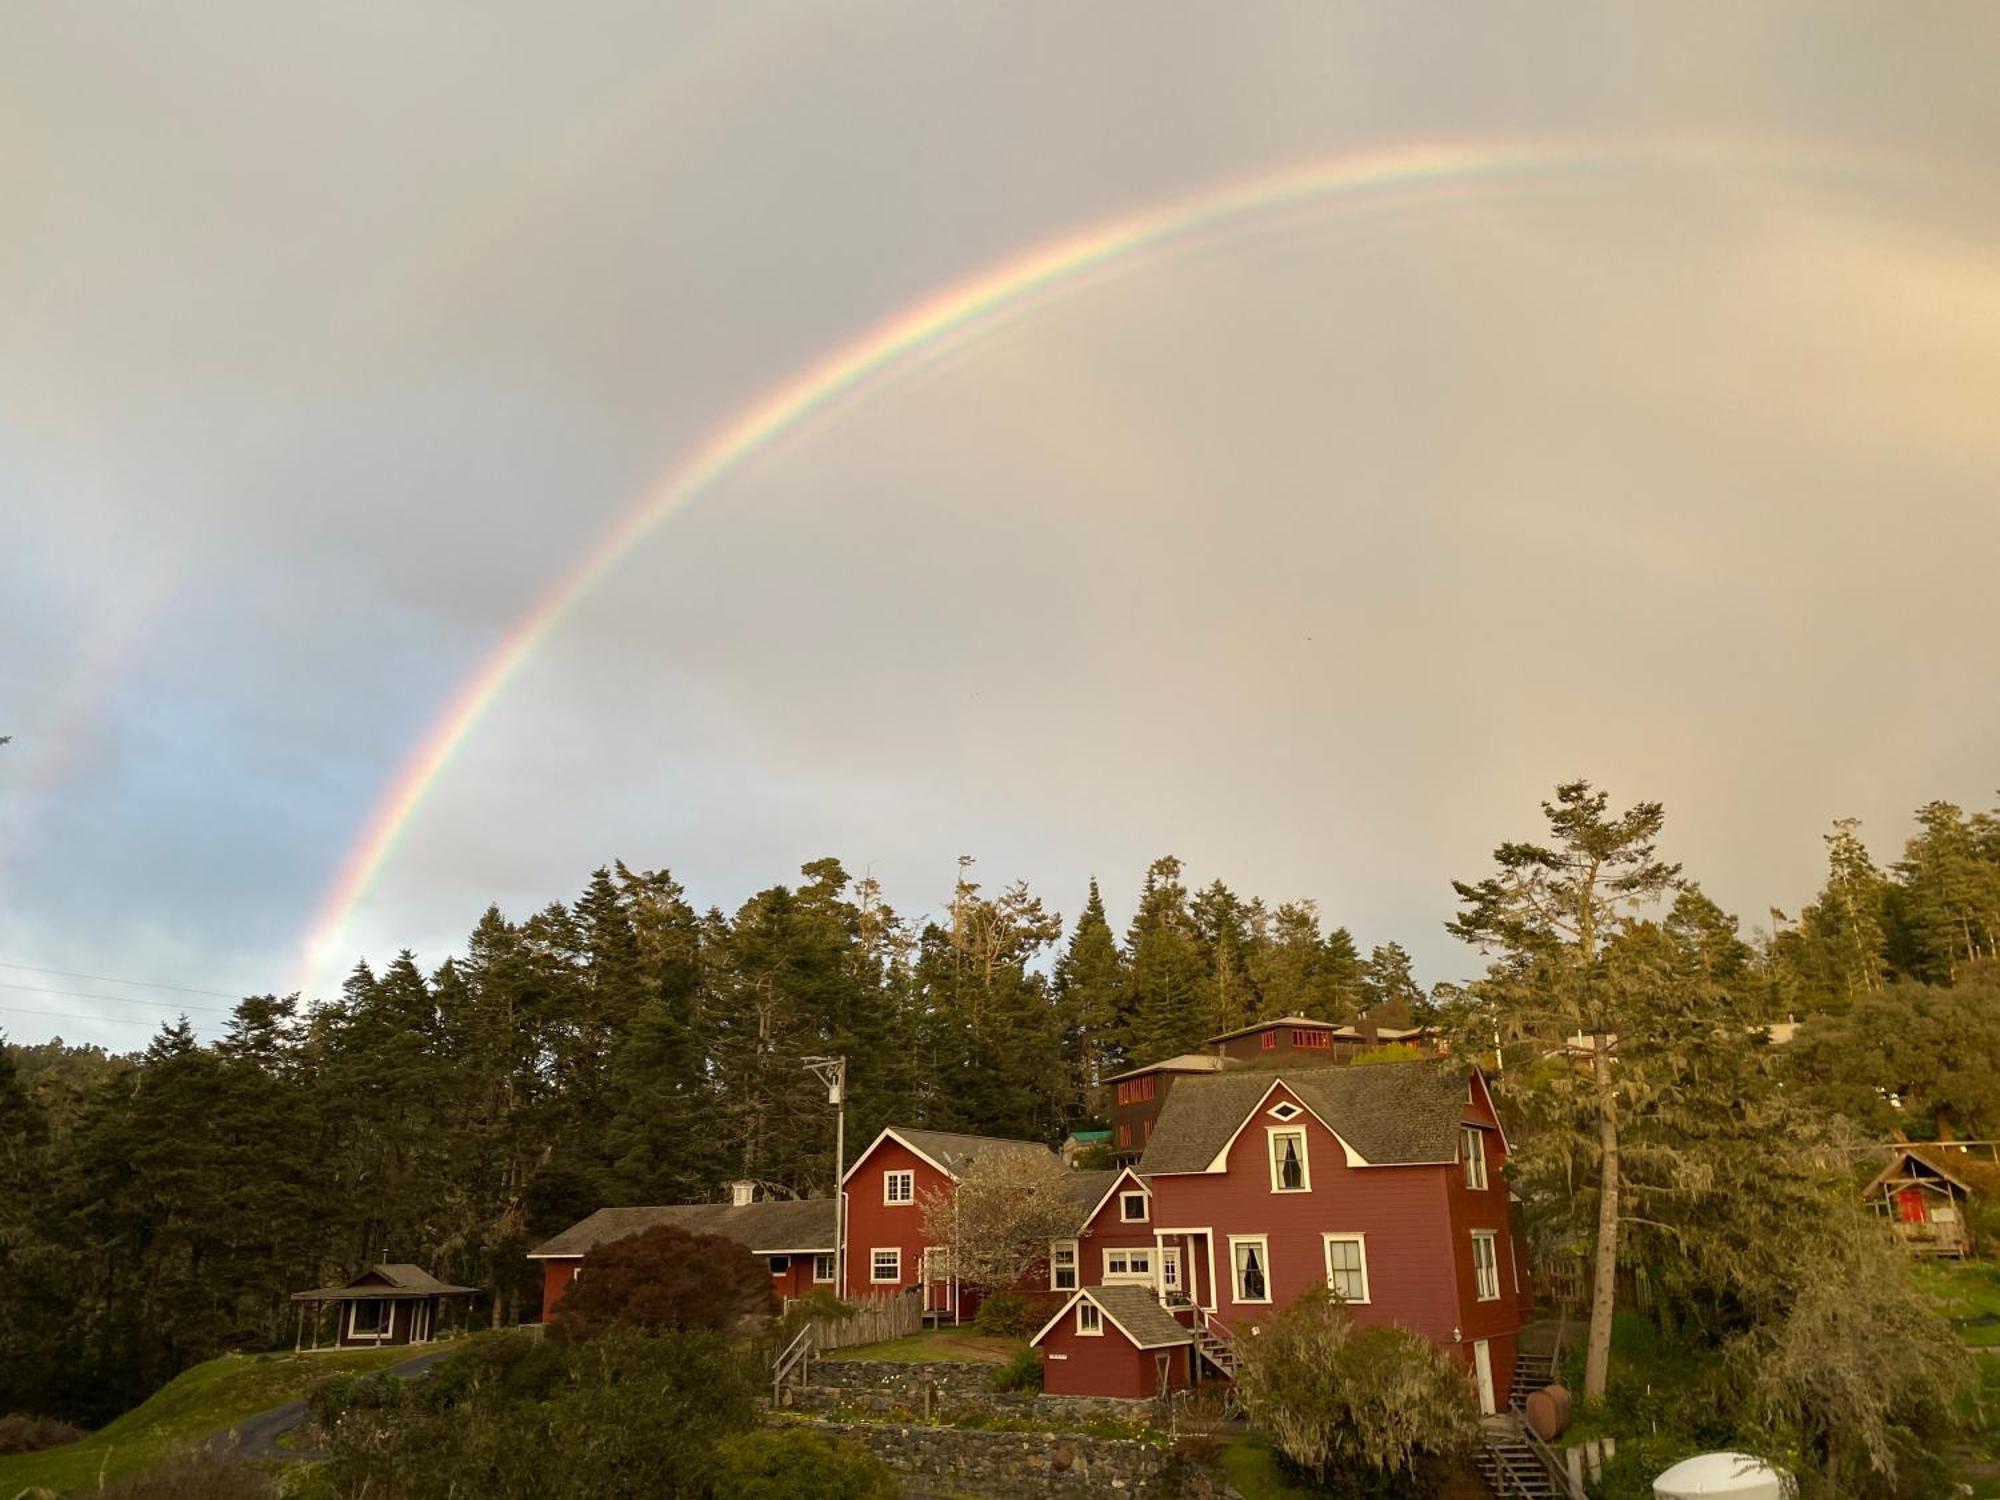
pixel 1132 1208
pixel 1290 1171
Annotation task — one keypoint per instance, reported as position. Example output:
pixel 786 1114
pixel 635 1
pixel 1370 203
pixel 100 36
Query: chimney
pixel 741 1192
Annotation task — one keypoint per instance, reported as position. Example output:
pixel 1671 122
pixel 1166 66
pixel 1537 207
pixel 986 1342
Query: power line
pixel 146 984
pixel 76 1015
pixel 164 1005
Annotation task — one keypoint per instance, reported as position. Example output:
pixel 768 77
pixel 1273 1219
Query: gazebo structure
pixel 1923 1202
pixel 385 1305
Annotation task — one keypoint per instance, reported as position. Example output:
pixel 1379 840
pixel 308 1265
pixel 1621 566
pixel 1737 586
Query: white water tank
pixel 1737 1475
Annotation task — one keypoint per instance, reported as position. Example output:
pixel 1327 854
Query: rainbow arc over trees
pixel 921 333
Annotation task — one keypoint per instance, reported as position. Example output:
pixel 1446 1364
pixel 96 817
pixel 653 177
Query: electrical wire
pixel 146 984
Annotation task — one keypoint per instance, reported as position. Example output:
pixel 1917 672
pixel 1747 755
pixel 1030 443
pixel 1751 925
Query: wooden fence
pixel 875 1319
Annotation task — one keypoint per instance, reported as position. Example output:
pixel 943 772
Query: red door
pixel 1910 1206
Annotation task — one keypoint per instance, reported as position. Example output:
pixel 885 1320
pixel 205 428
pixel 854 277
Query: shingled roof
pixel 1089 1188
pixel 957 1154
pixel 776 1226
pixel 390 1281
pixel 1134 1310
pixel 1396 1114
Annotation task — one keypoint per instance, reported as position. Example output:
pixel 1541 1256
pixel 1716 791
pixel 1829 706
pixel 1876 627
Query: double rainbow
pixel 917 335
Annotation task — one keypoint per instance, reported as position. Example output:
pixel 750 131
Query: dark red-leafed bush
pixel 666 1278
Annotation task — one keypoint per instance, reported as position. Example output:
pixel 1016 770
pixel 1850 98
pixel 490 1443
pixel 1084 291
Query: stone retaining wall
pixel 1054 1412
pixel 888 1374
pixel 1028 1465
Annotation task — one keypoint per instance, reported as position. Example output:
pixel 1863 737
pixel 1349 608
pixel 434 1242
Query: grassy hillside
pixel 188 1408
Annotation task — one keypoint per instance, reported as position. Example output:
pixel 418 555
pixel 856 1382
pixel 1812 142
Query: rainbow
pixel 918 335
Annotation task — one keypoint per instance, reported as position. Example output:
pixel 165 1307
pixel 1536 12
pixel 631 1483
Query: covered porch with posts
pixel 386 1305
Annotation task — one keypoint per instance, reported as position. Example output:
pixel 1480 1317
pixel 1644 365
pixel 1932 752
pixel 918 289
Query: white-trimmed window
pixel 822 1268
pixel 1347 1266
pixel 1128 1265
pixel 885 1265
pixel 1062 1265
pixel 1284 1110
pixel 1170 1268
pixel 899 1187
pixel 1472 1151
pixel 1132 1208
pixel 1089 1321
pixel 1290 1171
pixel 1486 1265
pixel 1250 1265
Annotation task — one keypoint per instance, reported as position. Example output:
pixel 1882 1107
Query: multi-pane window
pixel 1269 1041
pixel 1472 1149
pixel 1125 1135
pixel 1088 1319
pixel 1128 1265
pixel 1251 1260
pixel 822 1268
pixel 1062 1266
pixel 1288 1162
pixel 1133 1090
pixel 886 1265
pixel 899 1187
pixel 1170 1270
pixel 1347 1266
pixel 1311 1039
pixel 1132 1207
pixel 1486 1265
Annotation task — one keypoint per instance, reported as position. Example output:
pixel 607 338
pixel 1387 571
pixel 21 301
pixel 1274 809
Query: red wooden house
pixel 1386 1183
pixel 794 1235
pixel 885 1191
pixel 1115 1341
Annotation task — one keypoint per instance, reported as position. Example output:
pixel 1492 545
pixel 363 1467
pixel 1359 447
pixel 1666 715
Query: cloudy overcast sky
pixel 1314 547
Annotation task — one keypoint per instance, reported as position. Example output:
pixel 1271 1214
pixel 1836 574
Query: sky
pixel 1653 441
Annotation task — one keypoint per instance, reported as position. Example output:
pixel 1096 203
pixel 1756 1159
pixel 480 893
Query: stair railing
pixel 1558 1472
pixel 795 1356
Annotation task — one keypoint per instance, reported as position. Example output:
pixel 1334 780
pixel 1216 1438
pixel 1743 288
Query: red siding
pixel 1475 1209
pixel 1105 1364
pixel 556 1277
pixel 873 1225
pixel 1106 1231
pixel 1402 1211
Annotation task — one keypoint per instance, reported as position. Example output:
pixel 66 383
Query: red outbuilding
pixel 1114 1341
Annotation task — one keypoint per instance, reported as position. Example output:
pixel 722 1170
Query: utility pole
pixel 832 1071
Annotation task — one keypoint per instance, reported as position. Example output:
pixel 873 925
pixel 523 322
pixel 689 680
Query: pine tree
pixel 1223 940
pixel 1546 917
pixel 1389 990
pixel 1166 969
pixel 1091 995
pixel 1951 892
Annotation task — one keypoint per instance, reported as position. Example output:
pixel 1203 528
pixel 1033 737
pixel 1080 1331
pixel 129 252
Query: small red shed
pixel 1114 1341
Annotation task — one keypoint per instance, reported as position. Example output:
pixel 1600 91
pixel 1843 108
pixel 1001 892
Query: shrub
pixel 1021 1373
pixel 21 1433
pixel 665 1278
pixel 1389 1052
pixel 195 1474
pixel 1198 1426
pixel 624 1413
pixel 792 1465
pixel 1370 1409
pixel 1004 1315
pixel 817 1306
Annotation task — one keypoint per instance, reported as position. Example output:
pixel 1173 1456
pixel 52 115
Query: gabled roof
pixel 1904 1155
pixel 951 1153
pixel 1187 1062
pixel 391 1280
pixel 1394 1114
pixel 777 1226
pixel 1102 1185
pixel 1133 1310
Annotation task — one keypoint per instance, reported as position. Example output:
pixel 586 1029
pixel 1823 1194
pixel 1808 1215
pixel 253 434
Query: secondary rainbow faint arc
pixel 888 346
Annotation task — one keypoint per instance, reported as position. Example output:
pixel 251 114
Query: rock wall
pixel 1028 1465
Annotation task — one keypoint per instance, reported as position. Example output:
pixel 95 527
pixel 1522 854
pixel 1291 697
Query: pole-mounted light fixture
pixel 832 1071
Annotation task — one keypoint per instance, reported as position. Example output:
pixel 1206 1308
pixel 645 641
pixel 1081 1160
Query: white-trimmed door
pixel 1482 1376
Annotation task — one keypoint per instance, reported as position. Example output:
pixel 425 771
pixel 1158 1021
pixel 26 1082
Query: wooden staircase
pixel 1510 1468
pixel 1531 1373
pixel 1211 1342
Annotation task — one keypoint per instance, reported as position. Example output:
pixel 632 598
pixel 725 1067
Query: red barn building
pixel 794 1235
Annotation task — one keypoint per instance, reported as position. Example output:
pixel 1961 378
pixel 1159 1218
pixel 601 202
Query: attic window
pixel 1132 1208
pixel 1289 1170
pixel 1285 1112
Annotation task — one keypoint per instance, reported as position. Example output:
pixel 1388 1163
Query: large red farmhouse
pixel 1385 1183
pixel 794 1235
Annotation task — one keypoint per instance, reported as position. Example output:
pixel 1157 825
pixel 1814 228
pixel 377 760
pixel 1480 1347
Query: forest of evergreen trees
pixel 628 1048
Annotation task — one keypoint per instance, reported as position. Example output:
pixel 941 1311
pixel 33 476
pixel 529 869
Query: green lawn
pixel 1967 1290
pixel 188 1408
pixel 1252 1471
pixel 931 1345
